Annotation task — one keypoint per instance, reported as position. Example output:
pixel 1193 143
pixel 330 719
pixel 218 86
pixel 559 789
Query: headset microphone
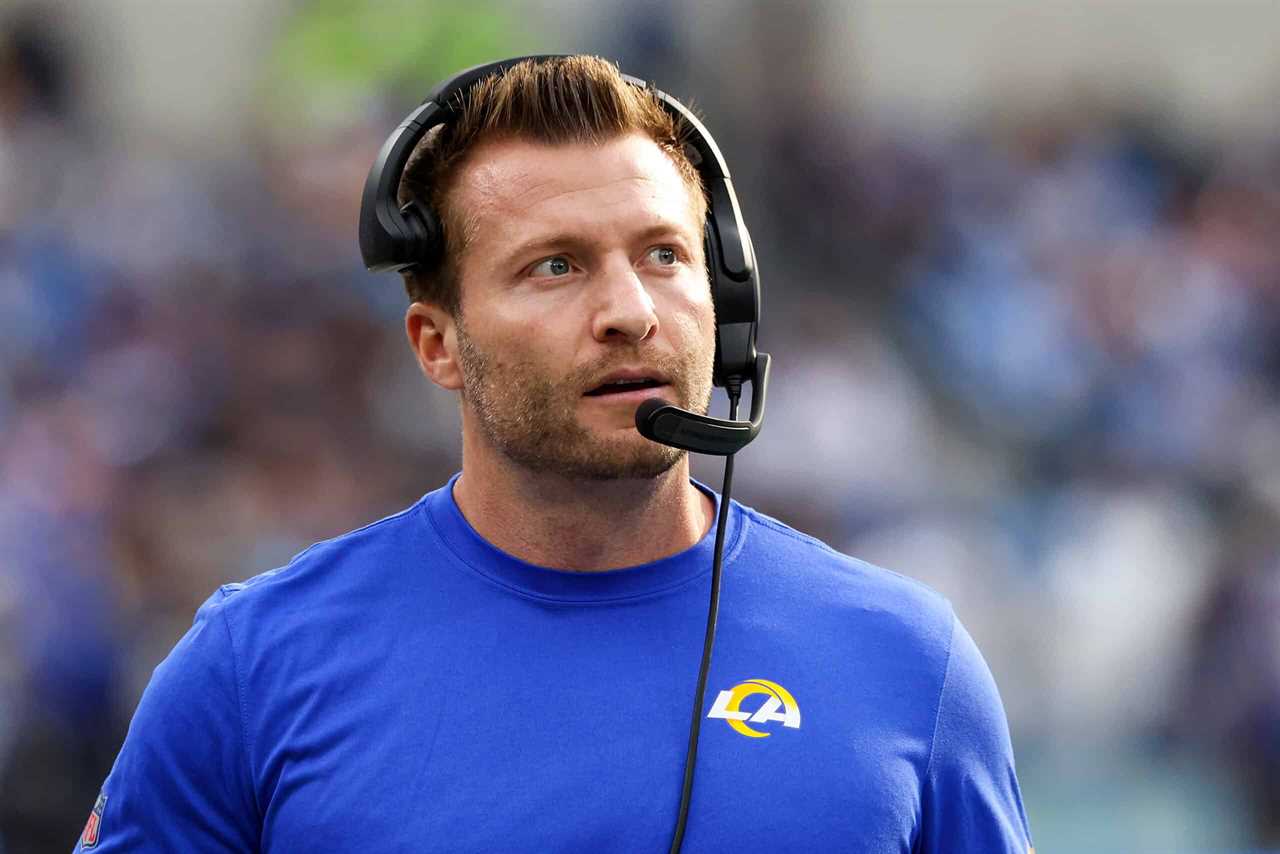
pixel 663 422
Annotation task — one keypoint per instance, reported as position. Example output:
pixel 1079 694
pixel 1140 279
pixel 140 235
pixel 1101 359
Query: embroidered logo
pixel 778 707
pixel 93 827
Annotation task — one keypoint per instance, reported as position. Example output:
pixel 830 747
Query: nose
pixel 625 310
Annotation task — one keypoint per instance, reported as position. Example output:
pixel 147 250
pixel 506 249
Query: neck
pixel 549 520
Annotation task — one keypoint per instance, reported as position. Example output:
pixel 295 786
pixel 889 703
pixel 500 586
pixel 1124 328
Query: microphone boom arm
pixel 663 422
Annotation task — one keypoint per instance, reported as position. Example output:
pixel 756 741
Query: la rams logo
pixel 778 707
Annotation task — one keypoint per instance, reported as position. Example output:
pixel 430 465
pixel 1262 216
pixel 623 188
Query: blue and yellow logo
pixel 778 707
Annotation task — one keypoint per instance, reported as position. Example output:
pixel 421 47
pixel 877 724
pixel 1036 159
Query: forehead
pixel 518 190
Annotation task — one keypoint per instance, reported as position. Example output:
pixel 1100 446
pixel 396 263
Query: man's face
pixel 584 265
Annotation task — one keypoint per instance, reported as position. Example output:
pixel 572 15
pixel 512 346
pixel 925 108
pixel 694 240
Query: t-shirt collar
pixel 655 577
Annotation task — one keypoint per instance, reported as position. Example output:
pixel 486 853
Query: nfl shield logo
pixel 93 827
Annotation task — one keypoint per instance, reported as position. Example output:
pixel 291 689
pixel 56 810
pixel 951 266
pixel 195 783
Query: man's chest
pixel 587 754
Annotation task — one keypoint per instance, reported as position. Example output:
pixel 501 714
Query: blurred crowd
pixel 1034 362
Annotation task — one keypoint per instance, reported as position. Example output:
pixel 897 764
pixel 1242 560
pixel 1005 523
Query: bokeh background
pixel 1022 287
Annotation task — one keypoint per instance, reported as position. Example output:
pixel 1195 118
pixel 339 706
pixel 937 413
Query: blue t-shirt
pixel 409 687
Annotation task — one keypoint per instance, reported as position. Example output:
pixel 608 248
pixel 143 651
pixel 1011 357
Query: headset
pixel 395 237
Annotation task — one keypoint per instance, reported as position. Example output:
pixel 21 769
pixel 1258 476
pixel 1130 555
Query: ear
pixel 433 338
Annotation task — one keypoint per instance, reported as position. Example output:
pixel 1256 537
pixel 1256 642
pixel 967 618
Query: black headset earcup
pixel 711 251
pixel 425 239
pixel 737 306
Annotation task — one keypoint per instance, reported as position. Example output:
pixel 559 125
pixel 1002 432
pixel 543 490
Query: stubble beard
pixel 532 420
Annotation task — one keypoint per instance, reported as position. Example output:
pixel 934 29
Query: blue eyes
pixel 560 265
pixel 664 255
pixel 557 265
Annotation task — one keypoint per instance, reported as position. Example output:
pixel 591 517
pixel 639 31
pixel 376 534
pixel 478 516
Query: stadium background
pixel 1022 272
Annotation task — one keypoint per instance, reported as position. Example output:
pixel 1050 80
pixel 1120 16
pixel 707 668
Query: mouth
pixel 637 388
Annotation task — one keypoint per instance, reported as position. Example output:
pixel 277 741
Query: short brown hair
pixel 556 101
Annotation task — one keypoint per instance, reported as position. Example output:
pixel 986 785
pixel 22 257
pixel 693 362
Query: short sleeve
pixel 181 782
pixel 971 800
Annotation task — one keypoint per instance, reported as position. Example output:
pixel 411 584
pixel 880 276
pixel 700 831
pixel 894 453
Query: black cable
pixel 713 611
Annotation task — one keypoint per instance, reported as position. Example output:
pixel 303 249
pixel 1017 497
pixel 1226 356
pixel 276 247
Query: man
pixel 507 664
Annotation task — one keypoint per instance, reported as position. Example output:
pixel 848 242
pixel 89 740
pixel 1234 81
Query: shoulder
pixel 812 560
pixel 794 564
pixel 332 569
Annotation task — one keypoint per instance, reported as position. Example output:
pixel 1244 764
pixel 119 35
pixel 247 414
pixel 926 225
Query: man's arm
pixel 181 781
pixel 971 799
